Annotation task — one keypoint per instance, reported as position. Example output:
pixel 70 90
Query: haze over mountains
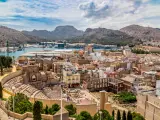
pixel 126 35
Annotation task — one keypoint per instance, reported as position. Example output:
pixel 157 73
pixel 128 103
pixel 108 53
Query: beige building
pixel 95 82
pixel 57 67
pixel 33 76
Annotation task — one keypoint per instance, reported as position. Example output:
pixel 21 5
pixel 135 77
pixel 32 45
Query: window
pixel 33 78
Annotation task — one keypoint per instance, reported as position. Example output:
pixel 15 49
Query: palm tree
pixel 1 67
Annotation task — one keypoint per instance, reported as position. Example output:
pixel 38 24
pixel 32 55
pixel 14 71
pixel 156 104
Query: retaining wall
pixel 11 76
pixel 25 115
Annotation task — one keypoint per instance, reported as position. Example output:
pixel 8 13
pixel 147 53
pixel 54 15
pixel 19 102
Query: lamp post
pixel 13 89
pixel 100 113
pixel 61 85
pixel 61 101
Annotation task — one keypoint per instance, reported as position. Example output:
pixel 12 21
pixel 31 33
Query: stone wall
pixel 91 108
pixel 50 102
pixel 57 117
pixel 10 76
pixel 149 107
pixel 25 115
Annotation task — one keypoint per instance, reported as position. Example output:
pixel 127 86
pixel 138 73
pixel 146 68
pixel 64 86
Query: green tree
pixel 46 110
pixel 124 116
pixel 54 109
pixel 22 103
pixel 113 113
pixel 129 116
pixel 71 109
pixel 37 111
pixel 9 61
pixel 5 61
pixel 126 97
pixel 1 92
pixel 137 116
pixel 84 115
pixel 118 115
pixel 103 114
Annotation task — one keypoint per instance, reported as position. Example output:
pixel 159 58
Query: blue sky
pixel 47 14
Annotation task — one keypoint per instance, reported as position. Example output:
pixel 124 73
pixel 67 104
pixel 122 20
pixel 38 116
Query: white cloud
pixel 107 8
pixel 113 14
pixel 120 13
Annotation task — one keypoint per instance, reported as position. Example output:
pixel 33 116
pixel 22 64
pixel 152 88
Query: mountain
pixel 97 35
pixel 60 32
pixel 14 36
pixel 105 36
pixel 127 35
pixel 64 32
pixel 39 33
pixel 142 33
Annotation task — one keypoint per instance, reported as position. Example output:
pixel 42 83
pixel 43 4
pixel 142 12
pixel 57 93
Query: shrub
pixel 22 103
pixel 84 115
pixel 104 115
pixel 46 110
pixel 71 109
pixel 54 109
pixel 137 116
pixel 126 97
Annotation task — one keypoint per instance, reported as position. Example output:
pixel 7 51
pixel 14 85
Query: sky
pixel 47 14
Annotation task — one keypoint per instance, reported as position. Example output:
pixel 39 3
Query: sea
pixel 16 54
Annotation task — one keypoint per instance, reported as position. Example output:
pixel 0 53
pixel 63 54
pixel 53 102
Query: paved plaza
pixel 4 116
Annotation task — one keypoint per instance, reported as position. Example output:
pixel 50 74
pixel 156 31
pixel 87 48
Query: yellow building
pixel 70 78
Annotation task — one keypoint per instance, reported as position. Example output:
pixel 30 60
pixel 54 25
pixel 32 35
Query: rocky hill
pixel 60 32
pixel 127 35
pixel 105 36
pixel 14 36
pixel 142 33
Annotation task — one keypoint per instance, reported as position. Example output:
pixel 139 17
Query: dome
pixel 23 58
pixel 81 52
